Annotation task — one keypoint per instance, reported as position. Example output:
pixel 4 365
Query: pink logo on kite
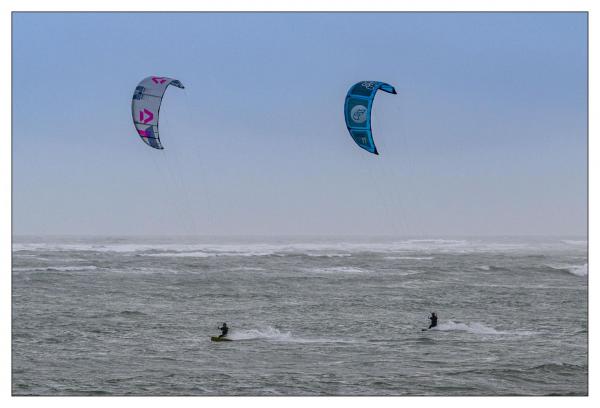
pixel 149 116
pixel 143 133
pixel 159 80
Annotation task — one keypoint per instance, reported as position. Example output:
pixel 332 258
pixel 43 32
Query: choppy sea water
pixel 343 316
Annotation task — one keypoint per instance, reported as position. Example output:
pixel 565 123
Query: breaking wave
pixel 404 249
pixel 575 242
pixel 577 270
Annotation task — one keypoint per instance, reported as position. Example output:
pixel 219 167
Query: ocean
pixel 308 316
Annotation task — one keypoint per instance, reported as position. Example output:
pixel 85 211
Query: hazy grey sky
pixel 487 135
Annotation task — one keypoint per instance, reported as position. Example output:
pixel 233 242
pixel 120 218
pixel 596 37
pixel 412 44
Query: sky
pixel 487 135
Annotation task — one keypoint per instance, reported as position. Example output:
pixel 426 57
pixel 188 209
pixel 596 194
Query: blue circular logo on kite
pixel 359 113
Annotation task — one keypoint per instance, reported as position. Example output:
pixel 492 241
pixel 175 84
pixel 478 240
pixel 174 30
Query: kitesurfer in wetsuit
pixel 433 319
pixel 224 330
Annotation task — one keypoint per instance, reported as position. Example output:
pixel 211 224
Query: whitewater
pixel 308 316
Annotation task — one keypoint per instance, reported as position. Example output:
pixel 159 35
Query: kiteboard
pixel 217 338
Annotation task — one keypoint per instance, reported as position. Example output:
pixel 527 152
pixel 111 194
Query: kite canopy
pixel 145 107
pixel 357 111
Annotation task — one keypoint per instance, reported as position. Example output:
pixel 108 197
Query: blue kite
pixel 357 111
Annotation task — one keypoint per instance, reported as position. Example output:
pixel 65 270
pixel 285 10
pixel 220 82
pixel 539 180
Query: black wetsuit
pixel 224 330
pixel 433 319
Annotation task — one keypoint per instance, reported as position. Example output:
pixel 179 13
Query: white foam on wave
pixel 131 270
pixel 196 254
pixel 575 242
pixel 578 270
pixel 336 270
pixel 475 328
pixel 407 248
pixel 328 249
pixel 218 253
pixel 415 258
pixel 199 254
pixel 142 270
pixel 56 268
pixel 248 268
pixel 438 241
pixel 326 255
